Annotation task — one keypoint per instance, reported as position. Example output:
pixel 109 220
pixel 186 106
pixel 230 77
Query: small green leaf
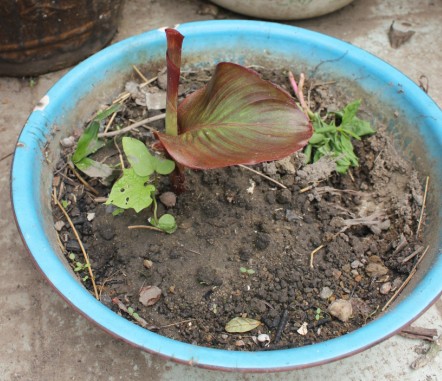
pixel 316 138
pixel 138 156
pixel 88 142
pixel 85 278
pixel 243 269
pixel 65 203
pixel 72 256
pixel 250 271
pixel 94 168
pixel 131 191
pixel 163 166
pixel 130 310
pixel 108 112
pixel 166 223
pixel 349 112
pixel 240 325
pixel 362 127
pixel 135 315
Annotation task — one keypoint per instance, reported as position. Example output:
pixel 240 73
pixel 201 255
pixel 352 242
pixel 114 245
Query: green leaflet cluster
pixel 135 188
pixel 334 138
pixel 89 144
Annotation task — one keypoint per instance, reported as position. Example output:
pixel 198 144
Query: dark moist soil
pixel 364 222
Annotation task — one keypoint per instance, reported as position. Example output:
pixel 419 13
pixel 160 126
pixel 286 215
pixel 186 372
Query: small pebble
pixel 376 269
pixel 336 273
pixel 326 292
pixel 147 264
pixel 68 142
pixel 263 338
pixel 59 225
pixel 356 264
pixel 341 309
pixel 385 288
pixel 168 199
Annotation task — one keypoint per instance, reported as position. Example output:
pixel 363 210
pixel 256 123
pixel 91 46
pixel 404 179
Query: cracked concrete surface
pixel 44 339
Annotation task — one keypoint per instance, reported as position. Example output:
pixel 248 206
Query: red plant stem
pixel 298 90
pixel 173 60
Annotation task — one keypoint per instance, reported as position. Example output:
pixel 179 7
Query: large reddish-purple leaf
pixel 173 61
pixel 237 118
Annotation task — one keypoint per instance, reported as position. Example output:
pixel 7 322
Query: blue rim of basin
pixel 29 208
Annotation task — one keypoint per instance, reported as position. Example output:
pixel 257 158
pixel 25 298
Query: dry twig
pixel 412 272
pixel 423 206
pixel 132 126
pixel 144 227
pixel 312 254
pixel 86 257
pixel 262 175
pixel 83 181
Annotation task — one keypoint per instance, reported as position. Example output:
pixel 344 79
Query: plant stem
pixel 173 60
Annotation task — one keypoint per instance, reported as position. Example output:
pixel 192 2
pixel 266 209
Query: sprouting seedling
pixel 90 143
pixel 318 314
pixel 334 137
pixel 246 271
pixel 79 266
pixel 237 118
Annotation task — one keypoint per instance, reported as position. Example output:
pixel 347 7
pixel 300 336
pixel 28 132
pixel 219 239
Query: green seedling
pixel 32 82
pixel 318 314
pixel 78 266
pixel 247 271
pixel 333 137
pixel 89 143
pixel 65 203
pixel 132 313
pixel 136 189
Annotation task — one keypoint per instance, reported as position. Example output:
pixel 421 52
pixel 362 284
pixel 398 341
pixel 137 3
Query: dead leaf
pixel 149 295
pixel 240 325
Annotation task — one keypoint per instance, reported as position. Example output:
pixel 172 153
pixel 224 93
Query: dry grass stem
pixel 421 217
pixel 413 254
pixel 86 257
pixel 406 281
pixel 83 181
pixel 262 175
pixel 131 126
pixel 111 120
pixel 140 74
pixel 144 227
pixel 120 155
pixel 312 254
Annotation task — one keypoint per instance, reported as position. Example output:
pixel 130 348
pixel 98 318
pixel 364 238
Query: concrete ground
pixel 42 338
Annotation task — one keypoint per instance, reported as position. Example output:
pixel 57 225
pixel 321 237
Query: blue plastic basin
pixel 77 95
